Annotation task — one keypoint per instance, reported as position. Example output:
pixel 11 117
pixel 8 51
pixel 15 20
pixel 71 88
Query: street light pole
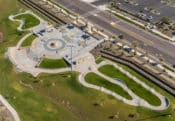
pixel 71 61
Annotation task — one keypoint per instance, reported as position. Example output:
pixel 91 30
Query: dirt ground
pixel 5 114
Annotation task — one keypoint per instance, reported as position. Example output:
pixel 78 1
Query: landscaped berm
pixel 28 41
pixel 97 80
pixel 66 95
pixel 111 71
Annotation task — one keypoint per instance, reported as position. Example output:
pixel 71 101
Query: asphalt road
pixel 165 10
pixel 155 45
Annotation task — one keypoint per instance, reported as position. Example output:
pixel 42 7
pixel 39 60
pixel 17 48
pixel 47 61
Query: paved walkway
pixel 162 98
pixel 10 108
pixel 12 18
pixel 22 40
pixel 136 101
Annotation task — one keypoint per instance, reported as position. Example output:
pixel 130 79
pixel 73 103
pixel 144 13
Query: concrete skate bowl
pixel 54 44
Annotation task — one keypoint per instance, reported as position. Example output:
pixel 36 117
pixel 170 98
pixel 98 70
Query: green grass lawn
pixel 30 104
pixel 95 79
pixel 59 97
pixel 111 71
pixel 30 20
pixel 28 41
pixel 53 63
pixel 99 60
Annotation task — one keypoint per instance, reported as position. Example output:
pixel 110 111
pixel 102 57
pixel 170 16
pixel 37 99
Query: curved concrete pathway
pixel 10 108
pixel 22 40
pixel 12 18
pixel 136 100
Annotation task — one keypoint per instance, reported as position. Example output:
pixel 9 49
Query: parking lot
pixel 146 9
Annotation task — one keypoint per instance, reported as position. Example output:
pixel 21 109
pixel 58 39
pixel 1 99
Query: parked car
pixel 149 18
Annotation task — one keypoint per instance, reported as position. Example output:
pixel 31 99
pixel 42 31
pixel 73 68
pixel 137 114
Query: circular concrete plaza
pixel 54 44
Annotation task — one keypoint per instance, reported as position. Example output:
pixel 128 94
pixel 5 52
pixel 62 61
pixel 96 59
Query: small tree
pixel 113 3
pixel 120 36
pixel 146 55
pixel 165 20
pixel 135 45
pixel 161 59
pixel 122 53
